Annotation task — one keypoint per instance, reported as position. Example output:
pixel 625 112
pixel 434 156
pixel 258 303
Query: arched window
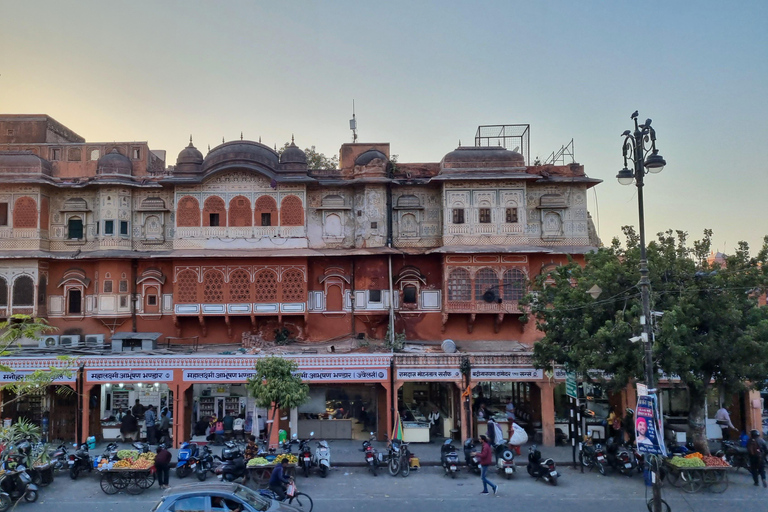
pixel 265 286
pixel 485 280
pixel 514 284
pixel 213 287
pixel 265 212
pixel 3 293
pixel 333 225
pixel 459 285
pixel 291 211
pixel 25 213
pixel 240 286
pixel 186 287
pixel 23 291
pixel 294 289
pixel 240 212
pixel 214 212
pixel 188 213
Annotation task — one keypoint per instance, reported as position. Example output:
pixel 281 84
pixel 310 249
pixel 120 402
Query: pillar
pixel 293 424
pixel 389 402
pixel 181 417
pixel 754 411
pixel 547 394
pixel 86 417
pixel 273 427
pixel 464 413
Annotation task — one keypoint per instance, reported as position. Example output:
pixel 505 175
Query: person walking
pixel 129 426
pixel 485 459
pixel 723 419
pixel 150 420
pixel 163 431
pixel 163 466
pixel 757 448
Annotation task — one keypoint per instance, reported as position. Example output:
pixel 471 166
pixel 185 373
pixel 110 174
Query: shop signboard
pixel 129 375
pixel 571 388
pixel 647 429
pixel 18 375
pixel 232 375
pixel 428 374
pixel 306 375
pixel 507 374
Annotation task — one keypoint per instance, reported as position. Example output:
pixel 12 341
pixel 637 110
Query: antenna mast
pixel 353 123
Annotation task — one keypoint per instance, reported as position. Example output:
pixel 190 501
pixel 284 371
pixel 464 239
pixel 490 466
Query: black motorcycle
pixel 398 458
pixel 204 462
pixel 588 455
pixel 735 454
pixel 371 456
pixel 305 456
pixel 541 469
pixel 79 461
pixel 59 457
pixel 616 457
pixel 449 458
pixel 232 463
pixel 505 459
pixel 473 464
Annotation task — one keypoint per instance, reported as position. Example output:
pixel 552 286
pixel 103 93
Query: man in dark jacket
pixel 129 426
pixel 757 448
pixel 485 458
pixel 278 480
pixel 163 466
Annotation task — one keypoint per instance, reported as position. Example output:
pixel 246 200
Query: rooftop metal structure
pixel 515 137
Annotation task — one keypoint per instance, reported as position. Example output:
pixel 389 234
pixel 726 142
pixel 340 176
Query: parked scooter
pixel 371 455
pixel 187 459
pixel 203 463
pixel 16 483
pixel 41 475
pixel 79 461
pixel 616 457
pixel 323 458
pixel 541 469
pixel 449 458
pixel 232 463
pixel 305 455
pixel 59 457
pixel 505 459
pixel 473 463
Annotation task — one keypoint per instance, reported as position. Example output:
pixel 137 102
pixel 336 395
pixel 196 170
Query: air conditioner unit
pixel 94 340
pixel 49 341
pixel 70 340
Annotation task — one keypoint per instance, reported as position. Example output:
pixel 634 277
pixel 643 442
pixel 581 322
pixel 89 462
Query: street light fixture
pixel 645 160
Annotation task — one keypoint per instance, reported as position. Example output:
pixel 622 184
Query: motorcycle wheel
pixel 183 471
pixel 509 476
pixel 5 502
pixel 323 470
pixel 394 466
pixel 405 469
pixel 453 474
pixel 30 496
pixel 601 468
pixel 553 480
pixel 73 472
pixel 201 474
pixel 375 469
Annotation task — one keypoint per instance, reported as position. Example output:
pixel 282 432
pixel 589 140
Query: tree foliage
pixel 315 159
pixel 711 330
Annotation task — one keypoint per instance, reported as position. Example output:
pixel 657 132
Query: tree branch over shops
pixel 19 327
pixel 709 329
pixel 277 383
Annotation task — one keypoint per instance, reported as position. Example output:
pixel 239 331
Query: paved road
pixel 354 489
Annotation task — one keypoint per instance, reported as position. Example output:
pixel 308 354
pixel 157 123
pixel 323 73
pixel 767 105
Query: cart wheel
pixel 133 484
pixel 119 480
pixel 673 477
pixel 107 485
pixel 716 481
pixel 145 480
pixel 691 481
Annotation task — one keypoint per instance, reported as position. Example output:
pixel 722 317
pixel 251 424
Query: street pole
pixel 634 149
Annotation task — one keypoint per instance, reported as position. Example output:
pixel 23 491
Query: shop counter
pixel 415 432
pixel 326 429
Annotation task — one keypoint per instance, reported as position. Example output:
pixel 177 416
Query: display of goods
pixel 105 465
pixel 694 455
pixel 714 462
pixel 142 464
pixel 147 456
pixel 682 462
pixel 127 454
pixel 122 464
pixel 292 459
pixel 257 461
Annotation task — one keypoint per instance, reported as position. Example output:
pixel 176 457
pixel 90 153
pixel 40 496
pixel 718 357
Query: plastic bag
pixel 519 436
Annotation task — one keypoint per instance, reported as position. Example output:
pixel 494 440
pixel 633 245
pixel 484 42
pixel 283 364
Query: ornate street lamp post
pixel 640 148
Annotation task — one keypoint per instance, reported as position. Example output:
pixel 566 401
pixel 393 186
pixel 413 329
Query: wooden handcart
pixel 259 475
pixel 691 480
pixel 132 481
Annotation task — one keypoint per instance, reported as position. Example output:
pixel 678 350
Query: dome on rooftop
pixel 114 163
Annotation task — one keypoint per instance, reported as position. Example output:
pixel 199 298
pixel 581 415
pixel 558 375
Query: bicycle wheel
pixel 107 485
pixel 691 481
pixel 302 502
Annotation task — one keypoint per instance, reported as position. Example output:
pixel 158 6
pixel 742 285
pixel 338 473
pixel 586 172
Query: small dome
pixel 483 156
pixel 293 155
pixel 369 156
pixel 190 155
pixel 240 152
pixel 114 163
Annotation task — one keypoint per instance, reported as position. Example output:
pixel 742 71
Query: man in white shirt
pixel 724 421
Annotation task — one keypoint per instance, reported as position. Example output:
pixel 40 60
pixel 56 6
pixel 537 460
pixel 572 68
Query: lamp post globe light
pixel 639 148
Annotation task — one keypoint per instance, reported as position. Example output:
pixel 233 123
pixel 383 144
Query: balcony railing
pixel 225 232
pixel 480 306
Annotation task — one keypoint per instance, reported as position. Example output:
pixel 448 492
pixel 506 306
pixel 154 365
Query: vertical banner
pixel 649 437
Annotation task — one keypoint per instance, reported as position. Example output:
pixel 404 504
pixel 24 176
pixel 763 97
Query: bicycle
pixel 302 501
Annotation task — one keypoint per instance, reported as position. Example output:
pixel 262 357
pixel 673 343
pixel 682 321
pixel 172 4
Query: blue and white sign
pixel 648 432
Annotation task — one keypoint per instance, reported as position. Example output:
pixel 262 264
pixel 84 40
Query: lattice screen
pixel 514 284
pixel 485 279
pixel 239 286
pixel 265 285
pixel 213 287
pixel 291 211
pixel 188 212
pixel 459 285
pixel 240 214
pixel 186 287
pixel 25 213
pixel 265 204
pixel 3 292
pixel 293 286
pixel 214 204
pixel 23 291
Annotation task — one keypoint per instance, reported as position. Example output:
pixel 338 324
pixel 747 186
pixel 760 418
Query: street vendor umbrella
pixel 397 432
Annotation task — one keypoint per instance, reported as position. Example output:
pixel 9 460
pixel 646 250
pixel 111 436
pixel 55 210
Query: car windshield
pixel 253 499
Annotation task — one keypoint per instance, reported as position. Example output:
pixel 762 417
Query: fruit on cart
pixel 147 456
pixel 292 459
pixel 694 455
pixel 142 464
pixel 257 461
pixel 127 454
pixel 682 462
pixel 714 462
pixel 123 464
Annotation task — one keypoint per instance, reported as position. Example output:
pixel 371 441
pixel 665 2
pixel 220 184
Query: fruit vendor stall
pixel 260 468
pixel 696 471
pixel 132 472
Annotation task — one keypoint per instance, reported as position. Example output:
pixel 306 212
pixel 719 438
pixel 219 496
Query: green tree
pixel 711 331
pixel 19 327
pixel 277 385
pixel 315 159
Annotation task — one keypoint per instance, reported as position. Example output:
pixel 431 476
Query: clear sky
pixel 423 76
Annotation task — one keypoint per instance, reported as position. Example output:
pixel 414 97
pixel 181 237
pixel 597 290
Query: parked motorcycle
pixel 59 457
pixel 398 458
pixel 323 458
pixel 541 469
pixel 305 455
pixel 371 455
pixel 187 459
pixel 204 462
pixel 617 457
pixel 473 463
pixel 16 483
pixel 79 461
pixel 734 454
pixel 505 459
pixel 41 475
pixel 232 463
pixel 449 458
pixel 588 454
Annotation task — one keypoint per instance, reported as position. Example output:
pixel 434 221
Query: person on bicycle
pixel 278 481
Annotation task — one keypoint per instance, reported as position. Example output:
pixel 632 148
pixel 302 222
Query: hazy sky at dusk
pixel 423 76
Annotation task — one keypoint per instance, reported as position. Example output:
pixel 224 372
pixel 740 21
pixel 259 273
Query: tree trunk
pixel 697 421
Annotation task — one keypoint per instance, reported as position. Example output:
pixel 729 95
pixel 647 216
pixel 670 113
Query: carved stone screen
pixel 188 212
pixel 213 287
pixel 25 213
pixel 293 286
pixel 265 286
pixel 291 211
